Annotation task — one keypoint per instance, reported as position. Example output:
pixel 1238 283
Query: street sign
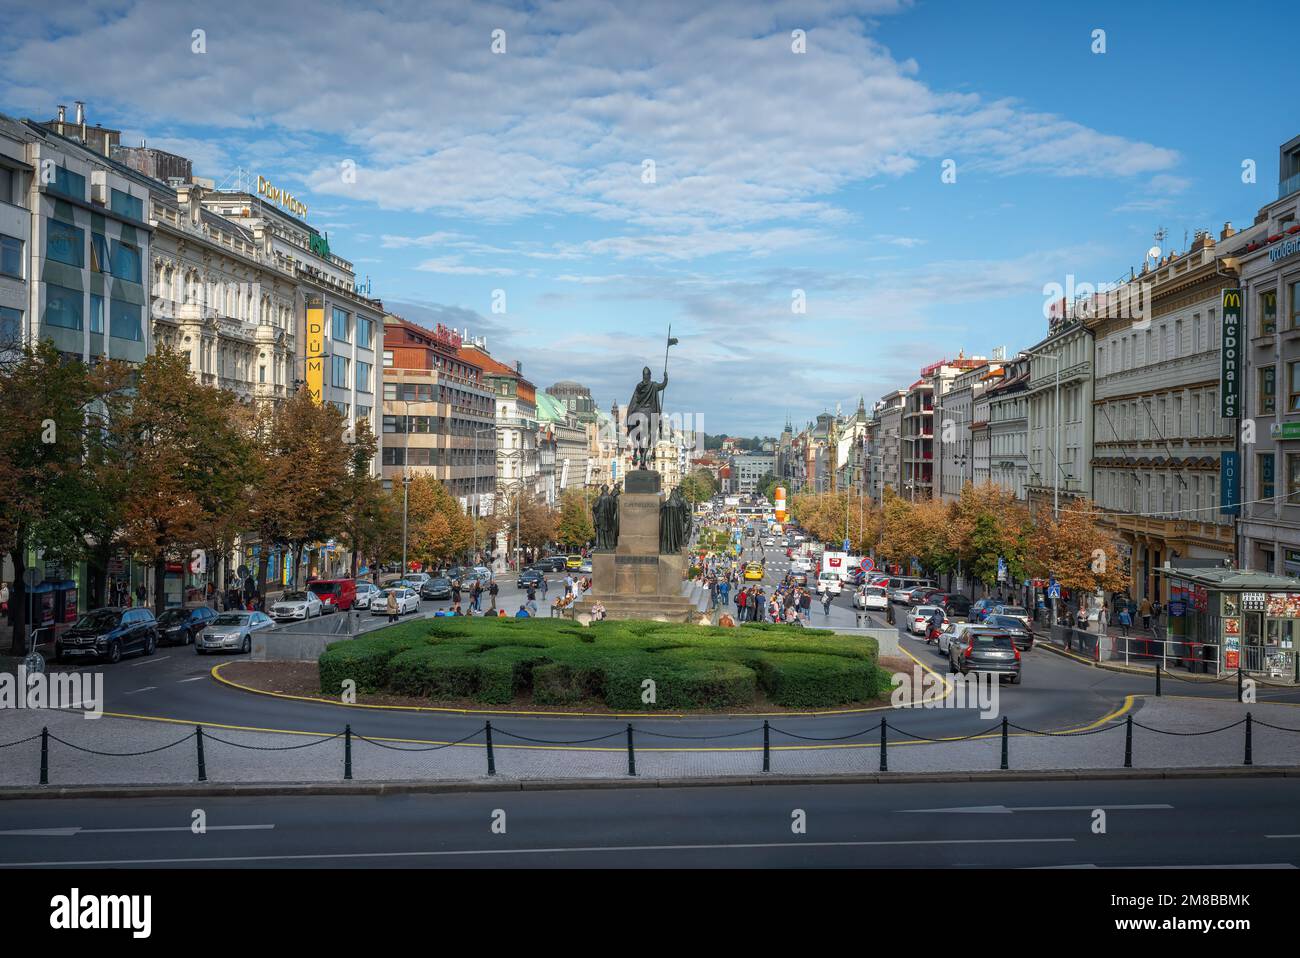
pixel 1053 591
pixel 846 546
pixel 1002 569
pixel 868 565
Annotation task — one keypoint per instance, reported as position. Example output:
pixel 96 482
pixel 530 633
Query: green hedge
pixel 493 661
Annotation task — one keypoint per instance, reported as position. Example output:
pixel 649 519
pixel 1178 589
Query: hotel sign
pixel 1229 484
pixel 277 195
pixel 1282 250
pixel 316 349
pixel 1230 356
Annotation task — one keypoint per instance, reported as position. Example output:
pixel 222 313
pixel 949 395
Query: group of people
pixel 788 602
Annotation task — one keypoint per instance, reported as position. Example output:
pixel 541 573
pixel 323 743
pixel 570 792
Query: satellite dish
pixel 1153 253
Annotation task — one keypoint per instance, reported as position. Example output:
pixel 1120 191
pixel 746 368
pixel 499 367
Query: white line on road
pixel 539 851
pixel 1004 810
pixel 147 688
pixel 68 831
pixel 197 678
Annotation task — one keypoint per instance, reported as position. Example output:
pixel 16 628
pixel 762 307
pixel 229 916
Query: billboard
pixel 1230 356
pixel 316 349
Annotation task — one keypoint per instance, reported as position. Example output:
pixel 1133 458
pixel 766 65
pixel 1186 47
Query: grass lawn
pixel 550 662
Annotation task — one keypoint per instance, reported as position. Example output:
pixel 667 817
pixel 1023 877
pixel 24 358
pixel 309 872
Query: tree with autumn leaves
pixel 574 527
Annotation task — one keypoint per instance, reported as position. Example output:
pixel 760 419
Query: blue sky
pixel 523 171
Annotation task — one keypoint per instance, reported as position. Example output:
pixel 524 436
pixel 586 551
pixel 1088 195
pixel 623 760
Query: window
pixel 126 261
pixel 340 326
pixel 1295 305
pixel 96 314
pixel 1268 312
pixel 363 412
pixel 390 392
pixel 388 359
pixel 340 372
pixel 261 374
pixel 124 321
pixel 1293 378
pixel 62 307
pixel 69 183
pixel 7 181
pixel 1293 479
pixel 65 243
pixel 365 331
pixel 125 204
pixel 99 258
pixel 363 377
pixel 11 324
pixel 1266 402
pixel 11 256
pixel 341 407
pixel 1266 487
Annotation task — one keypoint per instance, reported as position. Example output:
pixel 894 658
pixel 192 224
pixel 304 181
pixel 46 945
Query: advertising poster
pixel 1232 627
pixel 1283 605
pixel 316 348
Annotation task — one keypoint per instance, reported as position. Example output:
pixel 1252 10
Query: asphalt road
pixel 967 825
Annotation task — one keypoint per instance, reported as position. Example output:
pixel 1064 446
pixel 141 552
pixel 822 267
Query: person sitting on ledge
pixel 521 614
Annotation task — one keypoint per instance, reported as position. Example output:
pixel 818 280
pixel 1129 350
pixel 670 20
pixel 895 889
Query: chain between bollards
pixel 347 752
pixel 1250 759
pixel 1004 743
pixel 492 761
pixel 884 748
pixel 631 752
pixel 45 755
pixel 767 747
pixel 198 740
pixel 1128 742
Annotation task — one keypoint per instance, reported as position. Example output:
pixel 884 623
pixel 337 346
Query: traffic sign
pixel 868 565
pixel 1054 591
pixel 846 546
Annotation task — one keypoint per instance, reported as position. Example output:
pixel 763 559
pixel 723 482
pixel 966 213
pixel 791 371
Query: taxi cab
pixel 753 571
pixel 573 562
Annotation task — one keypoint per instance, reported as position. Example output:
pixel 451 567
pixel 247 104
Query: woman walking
pixel 392 605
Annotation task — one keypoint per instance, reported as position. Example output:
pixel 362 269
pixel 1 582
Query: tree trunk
pixel 263 565
pixel 159 581
pixel 18 597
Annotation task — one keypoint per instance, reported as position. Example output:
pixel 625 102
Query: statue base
pixel 635 581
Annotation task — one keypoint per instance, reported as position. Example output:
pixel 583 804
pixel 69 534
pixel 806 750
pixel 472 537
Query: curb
pixel 254 789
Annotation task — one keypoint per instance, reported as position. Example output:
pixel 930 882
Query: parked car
pixel 417 579
pixel 296 605
pixel 1009 623
pixel 871 597
pixel 365 592
pixel 439 587
pixel 918 618
pixel 552 563
pixel 986 650
pixel 181 626
pixel 108 634
pixel 530 579
pixel 921 595
pixel 339 595
pixel 408 600
pixel 957 634
pixel 232 632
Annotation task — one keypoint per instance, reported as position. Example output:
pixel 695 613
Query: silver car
pixel 232 632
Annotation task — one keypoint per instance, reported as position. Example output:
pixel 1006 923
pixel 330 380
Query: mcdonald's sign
pixel 1230 356
pixel 316 348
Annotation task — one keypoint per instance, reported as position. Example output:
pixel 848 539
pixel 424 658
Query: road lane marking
pixel 147 688
pixel 1005 810
pixel 323 856
pixel 67 831
pixel 197 678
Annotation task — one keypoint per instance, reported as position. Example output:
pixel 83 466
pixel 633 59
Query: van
pixel 828 581
pixel 900 586
pixel 340 593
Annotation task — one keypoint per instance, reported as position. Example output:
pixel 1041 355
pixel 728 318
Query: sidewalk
pixel 1167 733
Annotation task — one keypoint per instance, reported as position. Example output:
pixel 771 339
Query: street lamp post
pixel 478 511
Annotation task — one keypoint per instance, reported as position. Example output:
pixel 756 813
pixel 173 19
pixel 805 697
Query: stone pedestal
pixel 635 581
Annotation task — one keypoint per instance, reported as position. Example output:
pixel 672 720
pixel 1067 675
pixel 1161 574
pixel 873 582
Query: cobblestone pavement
pixel 1168 732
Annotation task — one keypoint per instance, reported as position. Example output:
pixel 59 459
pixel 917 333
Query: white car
pixel 416 579
pixel 918 618
pixel 365 592
pixel 1017 612
pixel 408 600
pixel 800 564
pixel 871 597
pixel 829 582
pixel 296 605
pixel 232 632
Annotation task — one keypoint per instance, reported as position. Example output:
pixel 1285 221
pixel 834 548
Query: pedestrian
pixel 1125 620
pixel 140 595
pixel 476 596
pixel 826 602
pixel 1083 618
pixel 455 591
pixel 521 614
pixel 1156 609
pixel 543 586
pixel 493 589
pixel 4 597
pixel 531 604
pixel 805 604
pixel 741 600
pixel 1145 611
pixel 724 589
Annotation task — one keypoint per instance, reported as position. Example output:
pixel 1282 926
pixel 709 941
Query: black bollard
pixel 1128 742
pixel 884 748
pixel 767 747
pixel 347 752
pixel 1250 760
pixel 631 752
pixel 1157 678
pixel 1240 684
pixel 492 761
pixel 1004 743
pixel 198 739
pixel 45 755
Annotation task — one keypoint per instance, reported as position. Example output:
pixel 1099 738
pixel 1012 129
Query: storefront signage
pixel 1254 601
pixel 1232 626
pixel 1230 355
pixel 1284 430
pixel 1229 484
pixel 1282 250
pixel 1283 605
pixel 316 349
pixel 279 196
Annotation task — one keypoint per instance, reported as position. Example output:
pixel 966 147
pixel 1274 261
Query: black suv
pixel 182 626
pixel 552 563
pixel 530 578
pixel 108 634
pixel 438 587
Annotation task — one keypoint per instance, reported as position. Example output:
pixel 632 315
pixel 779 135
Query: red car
pixel 341 594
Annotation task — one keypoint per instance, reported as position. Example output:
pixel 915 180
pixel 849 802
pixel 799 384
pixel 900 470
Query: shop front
pixel 1233 619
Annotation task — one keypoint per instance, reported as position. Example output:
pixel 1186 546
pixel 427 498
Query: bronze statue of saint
pixel 643 414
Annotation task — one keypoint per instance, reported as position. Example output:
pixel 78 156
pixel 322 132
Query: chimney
pixel 1227 231
pixel 63 115
pixel 81 118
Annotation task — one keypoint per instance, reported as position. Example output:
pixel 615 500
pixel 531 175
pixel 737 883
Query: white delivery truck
pixel 837 562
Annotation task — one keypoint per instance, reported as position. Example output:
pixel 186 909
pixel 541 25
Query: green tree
pixel 574 528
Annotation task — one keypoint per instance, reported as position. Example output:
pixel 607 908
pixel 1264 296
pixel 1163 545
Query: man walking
pixel 476 596
pixel 493 589
pixel 1144 610
pixel 391 606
